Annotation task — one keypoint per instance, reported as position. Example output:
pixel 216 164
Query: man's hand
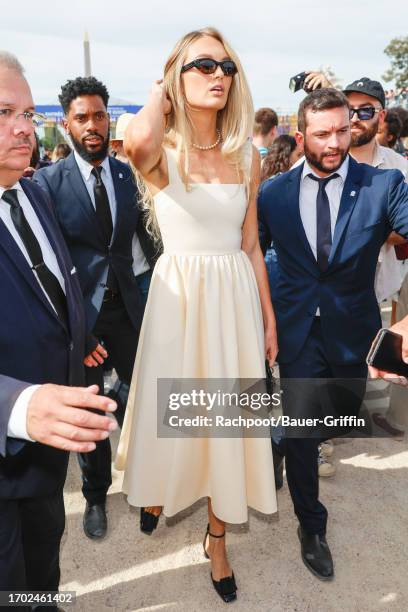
pixel 395 239
pixel 96 357
pixel 399 328
pixel 57 416
pixel 315 80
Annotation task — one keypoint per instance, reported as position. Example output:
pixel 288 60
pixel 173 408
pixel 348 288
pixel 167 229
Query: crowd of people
pixel 397 97
pixel 197 243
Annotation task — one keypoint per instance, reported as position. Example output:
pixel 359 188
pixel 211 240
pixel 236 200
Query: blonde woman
pixel 209 313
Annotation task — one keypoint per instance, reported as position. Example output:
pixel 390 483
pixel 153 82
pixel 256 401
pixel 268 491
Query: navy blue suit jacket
pixel 35 348
pixel 374 202
pixel 76 215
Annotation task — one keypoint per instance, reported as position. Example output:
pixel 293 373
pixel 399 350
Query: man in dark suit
pixel 42 340
pixel 328 219
pixel 97 208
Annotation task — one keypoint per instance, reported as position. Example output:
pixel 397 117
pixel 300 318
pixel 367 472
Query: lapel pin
pixel 120 175
pixel 353 193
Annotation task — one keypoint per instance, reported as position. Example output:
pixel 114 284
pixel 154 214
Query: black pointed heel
pixel 148 521
pixel 226 587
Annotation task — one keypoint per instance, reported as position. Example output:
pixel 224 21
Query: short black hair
pixel 394 126
pixel 403 115
pixel 320 100
pixel 82 86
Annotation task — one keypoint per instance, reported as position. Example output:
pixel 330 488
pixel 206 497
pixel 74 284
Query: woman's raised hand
pixel 159 91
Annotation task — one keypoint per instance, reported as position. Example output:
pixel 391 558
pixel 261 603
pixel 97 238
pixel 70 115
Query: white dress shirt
pixel 307 200
pixel 48 254
pixel 139 264
pixel 17 425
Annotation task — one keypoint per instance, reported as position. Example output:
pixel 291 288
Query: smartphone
pixel 296 82
pixel 386 353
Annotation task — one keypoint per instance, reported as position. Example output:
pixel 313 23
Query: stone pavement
pixel 368 534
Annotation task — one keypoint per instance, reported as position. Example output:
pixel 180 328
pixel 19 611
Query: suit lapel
pixel 347 203
pixel 16 257
pixel 48 226
pixel 49 229
pixel 81 194
pixel 293 192
pixel 120 178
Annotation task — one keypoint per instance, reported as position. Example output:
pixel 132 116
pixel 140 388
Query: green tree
pixel 397 51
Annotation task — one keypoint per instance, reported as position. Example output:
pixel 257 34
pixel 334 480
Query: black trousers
pixel 116 331
pixel 30 537
pixel 301 454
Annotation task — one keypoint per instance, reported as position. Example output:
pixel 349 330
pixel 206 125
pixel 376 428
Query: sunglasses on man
pixel 365 113
pixel 207 65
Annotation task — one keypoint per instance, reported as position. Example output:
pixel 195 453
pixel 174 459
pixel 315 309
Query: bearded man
pixel 97 208
pixel 367 101
pixel 328 219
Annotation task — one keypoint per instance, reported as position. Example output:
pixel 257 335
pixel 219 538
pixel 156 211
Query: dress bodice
pixel 205 219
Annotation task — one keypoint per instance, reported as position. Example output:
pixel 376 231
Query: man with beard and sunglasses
pixel 97 207
pixel 328 219
pixel 367 102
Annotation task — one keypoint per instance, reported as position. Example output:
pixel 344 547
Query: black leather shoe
pixel 278 460
pixel 316 554
pixel 148 521
pixel 95 521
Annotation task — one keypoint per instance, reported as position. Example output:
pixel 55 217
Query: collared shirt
pixel 387 159
pixel 307 200
pixel 49 257
pixel 17 424
pixel 85 169
pixel 139 264
pixel 390 272
pixel 263 152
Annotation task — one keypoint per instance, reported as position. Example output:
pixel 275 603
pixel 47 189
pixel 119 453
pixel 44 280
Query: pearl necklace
pixel 208 147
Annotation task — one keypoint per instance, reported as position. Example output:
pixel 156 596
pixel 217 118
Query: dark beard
pixel 358 140
pixel 317 162
pixel 91 156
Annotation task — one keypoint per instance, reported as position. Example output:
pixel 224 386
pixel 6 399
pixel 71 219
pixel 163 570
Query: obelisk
pixel 87 55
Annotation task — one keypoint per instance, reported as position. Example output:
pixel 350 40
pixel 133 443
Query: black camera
pixel 297 82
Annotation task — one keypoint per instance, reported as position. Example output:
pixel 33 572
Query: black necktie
pixel 47 279
pixel 103 213
pixel 323 222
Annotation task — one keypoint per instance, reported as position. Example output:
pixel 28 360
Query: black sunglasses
pixel 209 66
pixel 364 114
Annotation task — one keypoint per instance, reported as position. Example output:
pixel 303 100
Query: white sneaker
pixel 325 468
pixel 327 448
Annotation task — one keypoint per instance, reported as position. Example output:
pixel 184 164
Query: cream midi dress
pixel 203 319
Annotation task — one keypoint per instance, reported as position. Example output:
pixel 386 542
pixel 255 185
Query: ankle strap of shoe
pixel 215 536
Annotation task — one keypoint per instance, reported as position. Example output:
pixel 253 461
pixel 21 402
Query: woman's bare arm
pixel 144 134
pixel 250 244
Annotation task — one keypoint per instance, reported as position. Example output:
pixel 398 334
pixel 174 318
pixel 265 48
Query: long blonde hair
pixel 235 120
